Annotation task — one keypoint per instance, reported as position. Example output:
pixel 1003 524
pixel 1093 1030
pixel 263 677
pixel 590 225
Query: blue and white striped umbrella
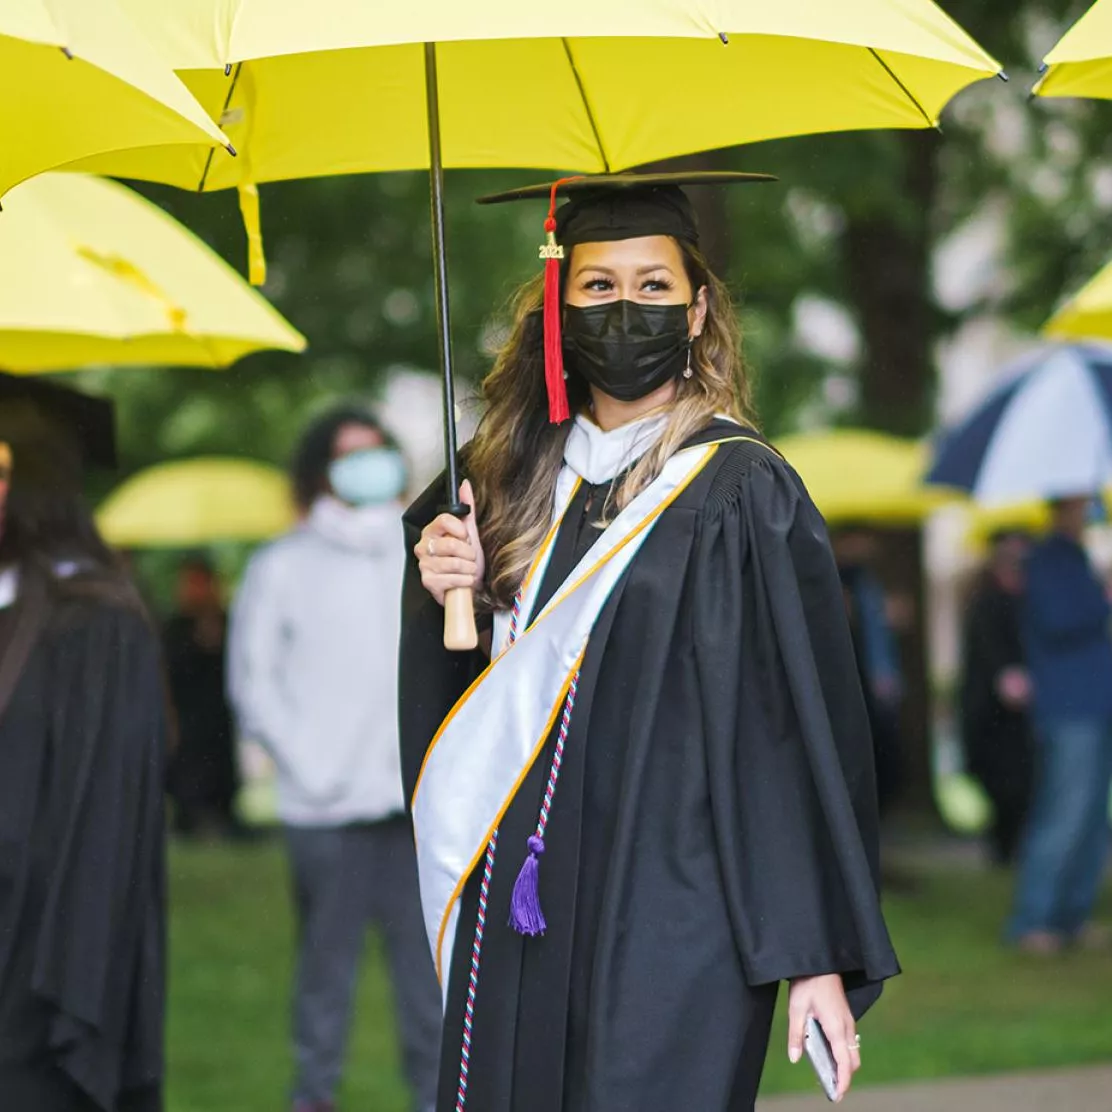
pixel 1045 433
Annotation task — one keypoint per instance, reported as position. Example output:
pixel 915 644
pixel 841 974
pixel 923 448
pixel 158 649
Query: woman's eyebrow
pixel 641 270
pixel 596 268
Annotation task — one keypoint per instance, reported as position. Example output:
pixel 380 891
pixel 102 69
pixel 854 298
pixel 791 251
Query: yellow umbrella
pixel 77 78
pixel 1088 314
pixel 1028 517
pixel 858 475
pixel 985 521
pixel 338 86
pixel 197 502
pixel 91 273
pixel 1081 64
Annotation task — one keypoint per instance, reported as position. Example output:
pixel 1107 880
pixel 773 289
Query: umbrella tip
pixel 724 37
pixel 67 52
pixel 1003 75
pixel 228 70
pixel 232 151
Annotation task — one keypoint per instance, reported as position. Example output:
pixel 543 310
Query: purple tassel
pixel 526 916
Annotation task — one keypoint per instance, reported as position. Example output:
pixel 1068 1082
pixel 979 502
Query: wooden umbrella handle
pixel 460 634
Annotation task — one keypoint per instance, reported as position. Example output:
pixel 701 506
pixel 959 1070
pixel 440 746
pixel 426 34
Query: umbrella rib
pixel 903 88
pixel 586 105
pixel 223 113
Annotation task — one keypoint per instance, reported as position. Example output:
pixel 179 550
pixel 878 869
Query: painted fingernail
pixel 794 1054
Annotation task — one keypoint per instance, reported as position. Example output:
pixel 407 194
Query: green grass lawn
pixel 963 1005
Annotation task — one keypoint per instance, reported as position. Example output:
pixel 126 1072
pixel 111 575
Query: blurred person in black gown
pixel 996 694
pixel 82 736
pixel 203 776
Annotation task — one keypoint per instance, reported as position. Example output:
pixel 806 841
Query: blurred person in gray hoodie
pixel 313 677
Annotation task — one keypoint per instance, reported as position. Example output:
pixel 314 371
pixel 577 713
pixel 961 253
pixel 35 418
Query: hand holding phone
pixel 822 1026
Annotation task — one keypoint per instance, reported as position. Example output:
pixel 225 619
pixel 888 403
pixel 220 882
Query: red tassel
pixel 553 253
pixel 558 410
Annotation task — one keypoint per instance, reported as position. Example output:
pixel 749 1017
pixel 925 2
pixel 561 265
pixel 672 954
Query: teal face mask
pixel 368 477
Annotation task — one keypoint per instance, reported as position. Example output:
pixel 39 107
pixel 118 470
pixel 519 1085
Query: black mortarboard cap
pixel 603 208
pixel 88 422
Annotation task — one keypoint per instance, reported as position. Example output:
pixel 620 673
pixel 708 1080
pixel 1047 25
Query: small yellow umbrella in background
pixel 855 475
pixel 190 503
pixel 1027 517
pixel 1088 314
pixel 1081 63
pixel 984 522
pixel 93 274
pixel 77 79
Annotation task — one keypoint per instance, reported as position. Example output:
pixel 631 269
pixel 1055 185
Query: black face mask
pixel 625 349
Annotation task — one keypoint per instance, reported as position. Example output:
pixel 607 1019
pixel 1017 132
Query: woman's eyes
pixel 648 285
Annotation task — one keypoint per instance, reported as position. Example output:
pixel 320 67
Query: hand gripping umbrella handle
pixel 460 634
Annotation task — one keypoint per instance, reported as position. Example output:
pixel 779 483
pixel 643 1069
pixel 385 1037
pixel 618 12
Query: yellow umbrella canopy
pixel 857 475
pixel 1088 314
pixel 77 78
pixel 338 86
pixel 91 274
pixel 1028 517
pixel 197 502
pixel 1081 64
pixel 983 522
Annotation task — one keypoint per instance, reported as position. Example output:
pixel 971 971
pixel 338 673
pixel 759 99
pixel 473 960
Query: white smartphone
pixel 818 1051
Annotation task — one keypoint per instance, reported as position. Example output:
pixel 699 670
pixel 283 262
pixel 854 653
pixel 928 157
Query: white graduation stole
pixel 488 743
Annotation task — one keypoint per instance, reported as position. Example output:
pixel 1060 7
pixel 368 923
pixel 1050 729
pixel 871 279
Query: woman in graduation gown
pixel 658 801
pixel 81 740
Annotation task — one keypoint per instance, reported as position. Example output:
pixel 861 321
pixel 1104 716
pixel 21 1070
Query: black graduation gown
pixel 714 829
pixel 202 778
pixel 81 867
pixel 998 741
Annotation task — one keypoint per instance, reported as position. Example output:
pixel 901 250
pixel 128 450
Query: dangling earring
pixel 687 371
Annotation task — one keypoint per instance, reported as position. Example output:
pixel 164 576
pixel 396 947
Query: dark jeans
pixel 345 879
pixel 1066 845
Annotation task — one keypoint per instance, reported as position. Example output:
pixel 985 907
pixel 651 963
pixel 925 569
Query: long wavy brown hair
pixel 517 454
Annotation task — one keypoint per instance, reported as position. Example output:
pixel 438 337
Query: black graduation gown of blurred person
pixel 202 778
pixel 998 741
pixel 714 829
pixel 82 954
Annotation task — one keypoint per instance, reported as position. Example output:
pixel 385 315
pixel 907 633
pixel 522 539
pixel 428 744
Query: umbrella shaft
pixel 440 265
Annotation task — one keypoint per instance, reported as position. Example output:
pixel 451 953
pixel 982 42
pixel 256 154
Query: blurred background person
pixel 1069 653
pixel 877 653
pixel 203 777
pixel 996 693
pixel 313 677
pixel 82 737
